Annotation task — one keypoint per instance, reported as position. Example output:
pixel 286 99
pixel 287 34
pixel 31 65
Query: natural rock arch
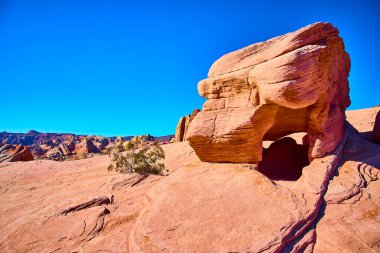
pixel 296 82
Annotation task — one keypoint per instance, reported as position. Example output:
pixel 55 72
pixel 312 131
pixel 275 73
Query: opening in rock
pixel 284 160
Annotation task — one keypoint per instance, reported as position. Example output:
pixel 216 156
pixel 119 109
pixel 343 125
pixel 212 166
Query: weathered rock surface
pixel 68 206
pixel 183 126
pixel 292 83
pixel 59 151
pixel 376 129
pixel 363 121
pixel 208 207
pixel 15 153
pixel 74 206
pixel 86 146
pixel 349 220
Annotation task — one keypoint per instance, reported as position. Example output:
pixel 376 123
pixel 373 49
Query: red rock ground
pixel 77 206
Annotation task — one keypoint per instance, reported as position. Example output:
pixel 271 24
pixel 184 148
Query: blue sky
pixel 132 67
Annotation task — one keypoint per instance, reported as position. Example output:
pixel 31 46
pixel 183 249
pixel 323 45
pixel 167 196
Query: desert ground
pixel 45 210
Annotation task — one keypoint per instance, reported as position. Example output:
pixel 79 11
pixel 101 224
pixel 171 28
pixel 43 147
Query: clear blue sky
pixel 132 67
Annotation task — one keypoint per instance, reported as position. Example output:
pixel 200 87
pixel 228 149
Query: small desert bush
pixel 138 158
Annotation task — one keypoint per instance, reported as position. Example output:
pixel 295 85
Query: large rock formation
pixel 86 146
pixel 296 82
pixel 59 151
pixel 183 126
pixel 331 206
pixel 15 153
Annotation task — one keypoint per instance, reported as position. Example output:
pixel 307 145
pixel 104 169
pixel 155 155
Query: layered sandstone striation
pixel 15 153
pixel 74 206
pixel 296 82
pixel 332 205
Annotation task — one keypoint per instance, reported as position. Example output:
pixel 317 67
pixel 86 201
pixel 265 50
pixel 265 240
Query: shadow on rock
pixel 284 160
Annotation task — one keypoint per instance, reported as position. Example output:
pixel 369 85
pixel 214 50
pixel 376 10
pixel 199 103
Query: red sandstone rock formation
pixel 199 206
pixel 292 83
pixel 59 151
pixel 183 126
pixel 15 153
pixel 221 207
pixel 364 120
pixel 86 146
pixel 287 205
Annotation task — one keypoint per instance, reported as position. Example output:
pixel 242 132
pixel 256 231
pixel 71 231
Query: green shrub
pixel 138 159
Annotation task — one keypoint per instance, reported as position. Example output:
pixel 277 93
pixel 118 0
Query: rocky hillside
pixel 65 146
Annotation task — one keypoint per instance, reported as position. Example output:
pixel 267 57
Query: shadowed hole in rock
pixel 284 159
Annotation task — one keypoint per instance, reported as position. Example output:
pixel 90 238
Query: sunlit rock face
pixel 183 125
pixel 296 82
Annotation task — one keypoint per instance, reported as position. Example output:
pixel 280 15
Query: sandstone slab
pixel 350 217
pixel 208 207
pixel 74 206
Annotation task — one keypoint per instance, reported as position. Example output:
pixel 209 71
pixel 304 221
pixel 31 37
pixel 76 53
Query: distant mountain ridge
pixel 62 146
pixel 33 136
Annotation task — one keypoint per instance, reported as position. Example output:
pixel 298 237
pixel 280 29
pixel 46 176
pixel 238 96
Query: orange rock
pixel 364 121
pixel 183 126
pixel 224 207
pixel 15 153
pixel 292 83
pixel 74 206
pixel 351 214
pixel 86 146
pixel 200 207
